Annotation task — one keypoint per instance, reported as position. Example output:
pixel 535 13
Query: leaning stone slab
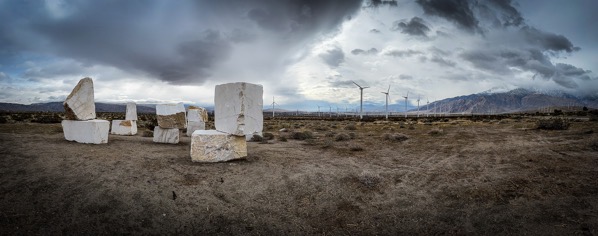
pixel 88 131
pixel 192 126
pixel 162 135
pixel 216 146
pixel 124 127
pixel 80 105
pixel 131 113
pixel 238 108
pixel 171 116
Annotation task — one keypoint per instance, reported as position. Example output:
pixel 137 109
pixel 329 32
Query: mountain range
pixel 517 100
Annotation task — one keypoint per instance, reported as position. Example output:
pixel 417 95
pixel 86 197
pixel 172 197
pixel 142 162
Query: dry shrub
pixel 327 144
pixel 342 137
pixel 351 127
pixel 369 179
pixel 282 138
pixel 436 132
pixel 302 135
pixel 397 137
pixel 330 134
pixel 147 133
pixel 256 138
pixel 355 147
pixel 553 124
pixel 321 128
pixel 352 135
pixel 268 136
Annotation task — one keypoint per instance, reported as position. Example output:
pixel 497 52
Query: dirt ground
pixel 453 177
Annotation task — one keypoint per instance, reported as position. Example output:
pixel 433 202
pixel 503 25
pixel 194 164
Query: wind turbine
pixel 417 105
pixel 360 99
pixel 406 97
pixel 273 102
pixel 427 105
pixel 386 93
pixel 318 110
pixel 329 111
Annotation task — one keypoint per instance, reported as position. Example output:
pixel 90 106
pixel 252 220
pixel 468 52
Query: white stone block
pixel 124 127
pixel 238 108
pixel 80 105
pixel 192 126
pixel 162 135
pixel 197 114
pixel 216 146
pixel 171 116
pixel 88 131
pixel 131 113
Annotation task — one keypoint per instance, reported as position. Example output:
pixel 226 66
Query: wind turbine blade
pixel 388 91
pixel 366 87
pixel 356 84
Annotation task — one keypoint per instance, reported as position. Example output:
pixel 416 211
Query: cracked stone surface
pixel 171 116
pixel 80 105
pixel 216 146
pixel 124 127
pixel 238 108
pixel 162 135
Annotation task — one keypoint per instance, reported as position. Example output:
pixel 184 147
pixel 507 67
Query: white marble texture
pixel 88 131
pixel 80 104
pixel 192 126
pixel 131 113
pixel 124 127
pixel 216 146
pixel 162 135
pixel 171 116
pixel 238 108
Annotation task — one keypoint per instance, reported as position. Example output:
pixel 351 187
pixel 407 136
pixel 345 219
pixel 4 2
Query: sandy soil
pixel 466 178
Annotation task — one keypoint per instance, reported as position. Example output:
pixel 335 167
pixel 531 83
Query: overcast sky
pixel 300 51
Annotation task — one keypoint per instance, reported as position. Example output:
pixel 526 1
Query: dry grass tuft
pixel 368 179
pixel 342 137
pixel 553 124
pixel 396 137
pixel 355 147
pixel 147 133
pixel 436 132
pixel 302 135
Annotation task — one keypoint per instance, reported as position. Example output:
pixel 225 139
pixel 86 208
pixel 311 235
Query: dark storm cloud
pixel 548 41
pixel 371 51
pixel 443 62
pixel 379 3
pixel 457 11
pixel 403 53
pixel 333 57
pixel 180 43
pixel 416 26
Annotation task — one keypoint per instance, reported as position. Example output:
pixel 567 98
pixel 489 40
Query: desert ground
pixel 316 177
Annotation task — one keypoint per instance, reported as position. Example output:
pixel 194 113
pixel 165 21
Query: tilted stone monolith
pixel 124 127
pixel 238 108
pixel 196 119
pixel 88 131
pixel 131 113
pixel 162 135
pixel 216 146
pixel 171 116
pixel 80 104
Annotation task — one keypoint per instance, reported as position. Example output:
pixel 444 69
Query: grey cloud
pixel 375 31
pixel 548 41
pixel 403 53
pixel 180 43
pixel 371 51
pixel 342 84
pixel 4 77
pixel 457 11
pixel 405 77
pixel 379 3
pixel 416 26
pixel 333 57
pixel 570 70
pixel 442 61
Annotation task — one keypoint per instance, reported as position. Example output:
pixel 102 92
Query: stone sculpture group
pixel 237 117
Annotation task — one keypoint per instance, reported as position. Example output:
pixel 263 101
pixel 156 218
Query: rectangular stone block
pixel 80 104
pixel 162 135
pixel 88 131
pixel 131 113
pixel 192 126
pixel 124 127
pixel 238 108
pixel 216 146
pixel 171 116
pixel 197 114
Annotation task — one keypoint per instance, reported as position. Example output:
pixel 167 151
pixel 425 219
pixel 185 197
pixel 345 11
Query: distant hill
pixel 517 100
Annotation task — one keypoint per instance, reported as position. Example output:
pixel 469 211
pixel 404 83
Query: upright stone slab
pixel 162 135
pixel 196 119
pixel 88 131
pixel 216 146
pixel 131 113
pixel 80 105
pixel 124 127
pixel 238 108
pixel 171 116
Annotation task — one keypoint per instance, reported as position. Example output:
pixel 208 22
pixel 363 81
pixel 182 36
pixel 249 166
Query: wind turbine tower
pixel 273 103
pixel 318 110
pixel 329 111
pixel 386 93
pixel 360 99
pixel 406 97
pixel 427 105
pixel 417 105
